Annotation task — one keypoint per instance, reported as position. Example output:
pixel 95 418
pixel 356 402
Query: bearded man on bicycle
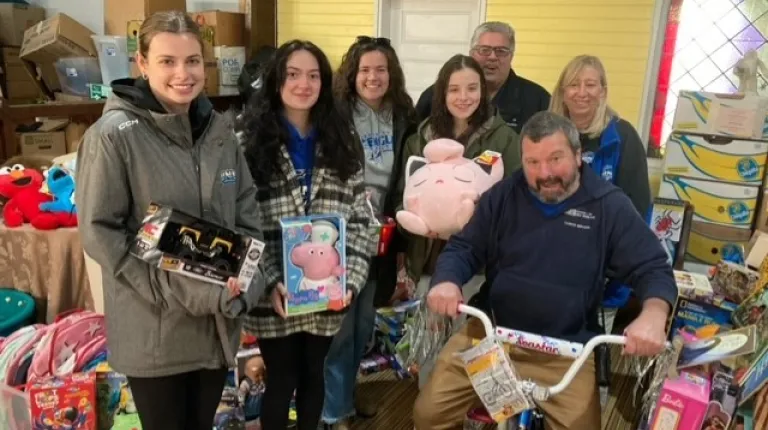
pixel 549 236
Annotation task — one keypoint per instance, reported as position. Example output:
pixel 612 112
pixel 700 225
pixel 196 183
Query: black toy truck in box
pixel 179 242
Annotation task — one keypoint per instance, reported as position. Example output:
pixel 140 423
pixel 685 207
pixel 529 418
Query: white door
pixel 426 33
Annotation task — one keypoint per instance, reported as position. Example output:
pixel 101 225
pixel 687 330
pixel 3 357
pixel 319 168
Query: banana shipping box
pixel 714 202
pixel 710 243
pixel 716 158
pixel 731 115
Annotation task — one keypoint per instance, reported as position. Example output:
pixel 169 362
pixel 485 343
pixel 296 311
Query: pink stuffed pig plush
pixel 441 190
pixel 318 259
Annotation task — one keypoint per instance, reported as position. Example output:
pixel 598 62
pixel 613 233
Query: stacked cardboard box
pixel 715 159
pixel 17 83
pixel 223 38
pixel 224 49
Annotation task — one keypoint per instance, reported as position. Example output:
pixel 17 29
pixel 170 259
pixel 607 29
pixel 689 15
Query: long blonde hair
pixel 604 113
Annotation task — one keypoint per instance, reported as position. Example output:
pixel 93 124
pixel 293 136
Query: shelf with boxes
pixel 715 159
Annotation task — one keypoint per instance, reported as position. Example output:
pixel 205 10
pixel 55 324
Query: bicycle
pixel 552 346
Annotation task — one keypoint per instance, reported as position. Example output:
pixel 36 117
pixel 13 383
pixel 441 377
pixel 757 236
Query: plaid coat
pixel 329 195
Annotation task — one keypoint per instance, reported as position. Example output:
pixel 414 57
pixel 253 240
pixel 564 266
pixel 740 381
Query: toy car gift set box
pixel 179 242
pixel 314 263
pixel 64 403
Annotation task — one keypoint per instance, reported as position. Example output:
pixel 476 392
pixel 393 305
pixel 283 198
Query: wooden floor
pixel 397 397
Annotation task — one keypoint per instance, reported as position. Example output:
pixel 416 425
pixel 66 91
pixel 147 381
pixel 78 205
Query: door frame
pixel 382 24
pixel 655 48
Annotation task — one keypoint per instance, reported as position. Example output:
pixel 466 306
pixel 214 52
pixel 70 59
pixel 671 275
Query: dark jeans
pixel 345 356
pixel 295 362
pixel 186 401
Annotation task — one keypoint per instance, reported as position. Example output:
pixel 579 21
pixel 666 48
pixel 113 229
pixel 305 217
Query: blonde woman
pixel 610 145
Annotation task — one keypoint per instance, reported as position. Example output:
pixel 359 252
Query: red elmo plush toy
pixel 22 189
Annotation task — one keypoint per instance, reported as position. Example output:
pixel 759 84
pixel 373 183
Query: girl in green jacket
pixel 461 110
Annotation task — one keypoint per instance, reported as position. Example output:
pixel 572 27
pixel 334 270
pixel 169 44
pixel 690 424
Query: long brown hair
pixel 167 22
pixel 344 81
pixel 440 118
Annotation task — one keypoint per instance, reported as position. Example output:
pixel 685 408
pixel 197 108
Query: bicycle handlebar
pixel 578 351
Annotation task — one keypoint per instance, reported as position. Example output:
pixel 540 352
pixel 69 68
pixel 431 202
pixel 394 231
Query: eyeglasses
pixel 485 51
pixel 379 41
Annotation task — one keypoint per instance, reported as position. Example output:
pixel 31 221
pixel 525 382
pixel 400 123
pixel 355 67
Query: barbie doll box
pixel 682 403
pixel 314 263
pixel 178 242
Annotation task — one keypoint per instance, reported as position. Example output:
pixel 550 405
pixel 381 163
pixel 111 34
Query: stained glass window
pixel 702 42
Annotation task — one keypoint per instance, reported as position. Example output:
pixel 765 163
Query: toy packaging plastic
pixel 64 403
pixel 178 242
pixel 314 262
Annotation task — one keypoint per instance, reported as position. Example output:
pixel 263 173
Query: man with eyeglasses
pixel 517 98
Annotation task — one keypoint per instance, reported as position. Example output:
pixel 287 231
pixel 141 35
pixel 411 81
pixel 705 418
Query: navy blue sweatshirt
pixel 547 265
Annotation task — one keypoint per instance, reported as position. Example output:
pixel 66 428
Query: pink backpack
pixel 68 344
pixel 17 348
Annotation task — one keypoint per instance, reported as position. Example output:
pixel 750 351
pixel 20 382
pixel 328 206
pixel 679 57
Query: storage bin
pixel 17 309
pixel 15 411
pixel 76 73
pixel 113 57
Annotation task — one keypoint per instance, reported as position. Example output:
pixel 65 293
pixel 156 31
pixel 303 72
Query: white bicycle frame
pixel 549 345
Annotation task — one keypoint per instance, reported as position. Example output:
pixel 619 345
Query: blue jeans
pixel 343 360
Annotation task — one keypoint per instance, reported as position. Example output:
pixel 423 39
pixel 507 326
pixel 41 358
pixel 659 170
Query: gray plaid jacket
pixel 329 195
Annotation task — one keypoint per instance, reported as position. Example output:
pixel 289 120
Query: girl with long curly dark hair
pixel 305 160
pixel 370 89
pixel 461 110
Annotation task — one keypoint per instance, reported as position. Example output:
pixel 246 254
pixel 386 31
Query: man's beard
pixel 566 185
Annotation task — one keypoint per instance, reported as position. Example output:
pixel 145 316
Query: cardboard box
pixel 715 158
pixel 231 60
pixel 16 18
pixel 72 397
pixel 220 29
pixel 49 139
pixel 52 39
pixel 118 14
pixel 19 85
pixel 714 202
pixel 682 403
pixel 178 242
pixel 730 115
pixel 761 222
pixel 314 262
pixel 696 316
pixel 211 79
pixel 710 243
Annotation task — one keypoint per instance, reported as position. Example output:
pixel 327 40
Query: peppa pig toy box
pixel 314 262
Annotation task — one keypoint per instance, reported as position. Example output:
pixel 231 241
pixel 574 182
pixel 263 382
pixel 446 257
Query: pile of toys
pixel 388 333
pixel 720 369
pixel 56 376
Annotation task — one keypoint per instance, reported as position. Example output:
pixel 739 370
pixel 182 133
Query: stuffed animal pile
pixel 41 197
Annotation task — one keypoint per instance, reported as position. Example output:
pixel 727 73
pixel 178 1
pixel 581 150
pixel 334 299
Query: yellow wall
pixel 549 33
pixel 331 24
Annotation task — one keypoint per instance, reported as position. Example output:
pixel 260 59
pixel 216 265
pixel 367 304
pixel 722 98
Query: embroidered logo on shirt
pixel 587 157
pixel 608 173
pixel 228 176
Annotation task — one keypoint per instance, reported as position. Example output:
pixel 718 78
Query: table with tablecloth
pixel 49 265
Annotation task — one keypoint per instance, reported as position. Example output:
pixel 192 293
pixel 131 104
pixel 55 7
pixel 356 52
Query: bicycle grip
pixel 603 365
